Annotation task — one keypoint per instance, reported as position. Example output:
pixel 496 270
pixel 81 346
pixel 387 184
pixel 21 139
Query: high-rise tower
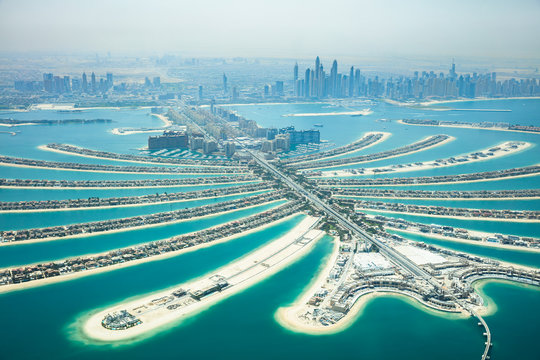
pixel 295 75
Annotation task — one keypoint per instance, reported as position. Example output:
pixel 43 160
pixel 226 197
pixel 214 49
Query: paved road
pixel 392 254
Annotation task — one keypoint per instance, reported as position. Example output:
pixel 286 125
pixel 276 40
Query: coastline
pixel 45 148
pixel 450 217
pixel 93 330
pixel 339 196
pixel 385 136
pixel 165 119
pixel 470 127
pixel 124 187
pixel 437 183
pixel 140 227
pixel 480 243
pixel 73 276
pixel 444 142
pixel 285 319
pixel 351 113
pixel 118 172
pixel 414 167
pixel 436 102
pixel 127 205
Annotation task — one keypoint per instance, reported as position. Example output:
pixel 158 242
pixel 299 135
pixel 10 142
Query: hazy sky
pixel 275 28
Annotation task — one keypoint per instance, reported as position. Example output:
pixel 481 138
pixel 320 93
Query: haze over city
pixel 278 28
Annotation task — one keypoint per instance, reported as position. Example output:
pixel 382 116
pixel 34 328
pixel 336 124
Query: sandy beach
pixel 132 228
pixel 467 241
pixel 117 131
pixel 463 126
pixel 128 205
pixel 287 317
pixel 46 148
pixel 240 274
pixel 165 119
pixel 436 183
pixel 384 137
pixel 451 217
pixel 444 142
pixel 121 172
pixel 351 113
pixel 391 169
pixel 72 276
pixel 124 187
pixel 339 196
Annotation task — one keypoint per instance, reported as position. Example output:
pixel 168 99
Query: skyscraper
pixel 225 88
pixel 351 82
pixel 295 76
pixel 48 84
pixel 109 80
pixel 307 82
pixel 200 92
pixel 84 83
pixel 93 81
pixel 334 79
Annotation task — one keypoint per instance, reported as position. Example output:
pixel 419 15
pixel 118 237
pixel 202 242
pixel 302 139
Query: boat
pixel 318 125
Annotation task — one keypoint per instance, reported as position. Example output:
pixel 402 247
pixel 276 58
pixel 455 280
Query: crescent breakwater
pixel 152 199
pixel 503 149
pixel 67 166
pixel 437 195
pixel 458 234
pixel 424 144
pixel 447 212
pixel 135 222
pixel 366 141
pixel 105 155
pixel 44 273
pixel 431 180
pixel 124 184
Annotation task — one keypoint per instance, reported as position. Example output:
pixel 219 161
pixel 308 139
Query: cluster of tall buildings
pixel 64 84
pixel 318 83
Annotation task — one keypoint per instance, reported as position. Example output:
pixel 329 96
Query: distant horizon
pixel 281 29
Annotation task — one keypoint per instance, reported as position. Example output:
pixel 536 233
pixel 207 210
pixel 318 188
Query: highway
pixel 394 256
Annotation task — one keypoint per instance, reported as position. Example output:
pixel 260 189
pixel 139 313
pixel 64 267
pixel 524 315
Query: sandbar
pixel 240 274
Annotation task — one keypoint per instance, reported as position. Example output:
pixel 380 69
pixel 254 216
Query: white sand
pixel 472 126
pixel 468 241
pixel 46 148
pixel 122 172
pixel 451 217
pixel 129 205
pixel 76 275
pixel 125 187
pixel 132 228
pixel 240 274
pixel 504 151
pixel 450 138
pixel 435 183
pixel 353 113
pixel 385 135
pixel 341 196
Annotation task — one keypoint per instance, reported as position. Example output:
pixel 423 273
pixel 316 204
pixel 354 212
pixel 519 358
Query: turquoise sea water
pixel 243 326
